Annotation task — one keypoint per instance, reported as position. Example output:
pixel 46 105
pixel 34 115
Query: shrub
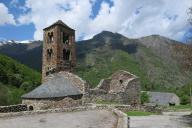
pixel 144 97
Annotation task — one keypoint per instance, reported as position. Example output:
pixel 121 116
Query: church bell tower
pixel 58 49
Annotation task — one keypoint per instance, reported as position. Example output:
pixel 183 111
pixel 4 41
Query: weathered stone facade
pixel 52 103
pixel 122 87
pixel 58 49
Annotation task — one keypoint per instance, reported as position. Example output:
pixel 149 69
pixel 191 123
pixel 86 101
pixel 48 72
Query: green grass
pixel 139 113
pixel 180 107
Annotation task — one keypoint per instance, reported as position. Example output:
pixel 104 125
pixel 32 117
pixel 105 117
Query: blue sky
pixel 25 19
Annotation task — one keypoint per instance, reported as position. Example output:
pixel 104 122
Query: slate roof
pixel 163 98
pixel 59 22
pixel 58 86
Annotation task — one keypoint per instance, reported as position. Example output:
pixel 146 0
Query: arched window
pixel 66 54
pixel 50 36
pixel 65 38
pixel 121 81
pixel 49 53
pixel 30 108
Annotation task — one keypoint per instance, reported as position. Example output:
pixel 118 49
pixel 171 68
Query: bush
pixel 185 99
pixel 144 97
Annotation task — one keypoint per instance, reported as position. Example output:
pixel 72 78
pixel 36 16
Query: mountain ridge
pixel 152 57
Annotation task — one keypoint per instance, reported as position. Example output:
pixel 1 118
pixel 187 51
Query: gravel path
pixel 167 120
pixel 84 119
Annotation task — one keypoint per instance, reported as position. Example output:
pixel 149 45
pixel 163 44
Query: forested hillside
pixel 15 80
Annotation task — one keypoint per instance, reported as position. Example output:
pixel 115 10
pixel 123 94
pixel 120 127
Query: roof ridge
pixel 59 22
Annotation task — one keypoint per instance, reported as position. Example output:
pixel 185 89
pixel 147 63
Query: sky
pixel 25 19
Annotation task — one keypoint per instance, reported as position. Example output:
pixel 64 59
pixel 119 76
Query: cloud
pixel 133 18
pixel 5 16
pixel 14 3
pixel 72 12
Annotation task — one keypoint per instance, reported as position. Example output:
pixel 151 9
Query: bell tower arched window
pixel 66 54
pixel 65 38
pixel 49 54
pixel 50 37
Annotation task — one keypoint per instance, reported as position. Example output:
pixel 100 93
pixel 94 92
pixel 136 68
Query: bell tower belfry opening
pixel 58 49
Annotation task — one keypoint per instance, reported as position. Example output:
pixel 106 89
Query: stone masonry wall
pixel 100 95
pixel 13 108
pixel 130 95
pixel 52 103
pixel 56 63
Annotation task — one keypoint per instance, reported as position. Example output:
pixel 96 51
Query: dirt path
pixel 85 119
pixel 167 120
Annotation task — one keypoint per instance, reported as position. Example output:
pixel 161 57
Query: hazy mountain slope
pixel 152 58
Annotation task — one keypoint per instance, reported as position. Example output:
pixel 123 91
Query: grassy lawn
pixel 139 113
pixel 180 107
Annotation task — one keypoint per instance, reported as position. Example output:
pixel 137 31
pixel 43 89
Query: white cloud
pixel 44 13
pixel 5 16
pixel 14 2
pixel 133 18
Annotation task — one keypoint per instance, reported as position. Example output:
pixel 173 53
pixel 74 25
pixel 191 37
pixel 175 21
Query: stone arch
pixel 31 108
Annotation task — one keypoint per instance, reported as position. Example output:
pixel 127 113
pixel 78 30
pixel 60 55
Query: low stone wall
pixel 153 109
pixel 123 119
pixel 126 108
pixel 13 108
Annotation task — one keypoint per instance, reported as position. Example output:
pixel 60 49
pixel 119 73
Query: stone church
pixel 61 88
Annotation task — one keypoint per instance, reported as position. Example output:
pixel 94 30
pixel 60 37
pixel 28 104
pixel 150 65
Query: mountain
pixel 26 53
pixel 155 59
pixel 15 80
pixel 9 42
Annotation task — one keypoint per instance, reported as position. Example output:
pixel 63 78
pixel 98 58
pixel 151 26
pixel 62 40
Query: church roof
pixel 59 22
pixel 163 98
pixel 58 86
